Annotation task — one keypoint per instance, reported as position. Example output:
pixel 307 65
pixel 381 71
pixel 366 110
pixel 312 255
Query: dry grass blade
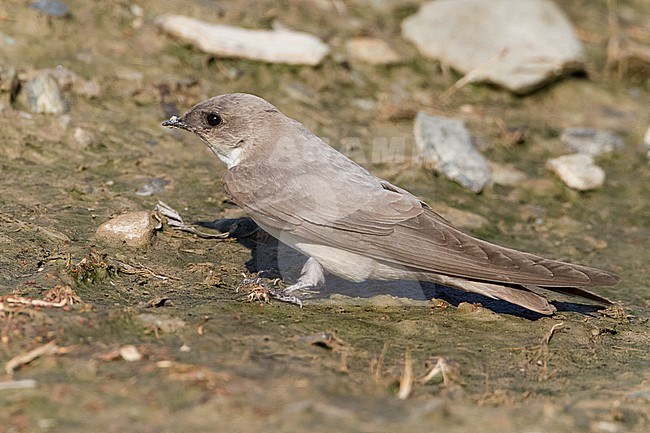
pixel 56 297
pixel 406 382
pixel 380 361
pixel 25 358
pixel 470 76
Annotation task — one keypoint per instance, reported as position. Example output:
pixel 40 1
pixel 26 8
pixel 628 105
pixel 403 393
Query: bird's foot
pixel 263 289
pixel 285 296
pixel 311 277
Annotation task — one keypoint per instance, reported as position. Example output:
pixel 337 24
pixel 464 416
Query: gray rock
pixel 135 229
pixel 154 185
pixel 43 94
pixel 53 8
pixel 591 141
pixel 577 171
pixel 516 44
pixel 447 146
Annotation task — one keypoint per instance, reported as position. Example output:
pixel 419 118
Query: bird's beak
pixel 175 122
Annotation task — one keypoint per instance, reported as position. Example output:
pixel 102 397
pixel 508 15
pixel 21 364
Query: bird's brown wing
pixel 360 213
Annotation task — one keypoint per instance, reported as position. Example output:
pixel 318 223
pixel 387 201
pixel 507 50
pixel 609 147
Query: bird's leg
pixel 311 276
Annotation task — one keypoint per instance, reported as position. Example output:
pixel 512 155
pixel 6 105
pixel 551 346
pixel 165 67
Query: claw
pixel 282 295
pixel 261 291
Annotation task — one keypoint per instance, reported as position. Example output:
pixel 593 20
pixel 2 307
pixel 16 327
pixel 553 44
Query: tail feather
pixel 575 291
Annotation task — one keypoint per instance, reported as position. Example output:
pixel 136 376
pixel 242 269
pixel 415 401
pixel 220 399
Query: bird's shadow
pixel 272 259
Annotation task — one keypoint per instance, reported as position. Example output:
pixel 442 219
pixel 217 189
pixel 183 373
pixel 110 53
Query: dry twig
pixel 18 361
pixel 175 221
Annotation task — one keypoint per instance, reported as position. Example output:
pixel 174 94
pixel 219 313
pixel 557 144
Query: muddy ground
pixel 209 360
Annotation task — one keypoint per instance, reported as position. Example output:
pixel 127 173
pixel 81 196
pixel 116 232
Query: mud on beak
pixel 176 122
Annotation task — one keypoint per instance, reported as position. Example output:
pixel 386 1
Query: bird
pixel 355 225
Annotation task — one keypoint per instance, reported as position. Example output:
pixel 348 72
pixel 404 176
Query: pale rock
pixel 447 147
pixel 371 50
pixel 577 171
pixel 84 138
pixel 135 229
pixel 273 46
pixel 591 141
pixel 44 95
pixel 516 44
pixel 130 353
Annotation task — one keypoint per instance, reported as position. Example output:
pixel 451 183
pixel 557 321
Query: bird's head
pixel 227 123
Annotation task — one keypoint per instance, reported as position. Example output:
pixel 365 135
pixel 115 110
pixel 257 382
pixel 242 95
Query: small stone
pixel 273 46
pixel 506 175
pixel 591 141
pixel 53 8
pixel 135 229
pixel 130 353
pixel 447 146
pixel 371 50
pixel 577 171
pixel 6 39
pixel 44 95
pixel 84 138
pixel 153 186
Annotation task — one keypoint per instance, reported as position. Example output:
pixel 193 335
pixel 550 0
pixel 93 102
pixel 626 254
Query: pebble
pixel 44 95
pixel 84 138
pixel 273 46
pixel 53 8
pixel 577 171
pixel 154 185
pixel 135 229
pixel 447 147
pixel 371 50
pixel 519 45
pixel 591 141
pixel 130 353
pixel 6 39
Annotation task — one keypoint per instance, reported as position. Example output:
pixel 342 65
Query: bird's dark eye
pixel 213 119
